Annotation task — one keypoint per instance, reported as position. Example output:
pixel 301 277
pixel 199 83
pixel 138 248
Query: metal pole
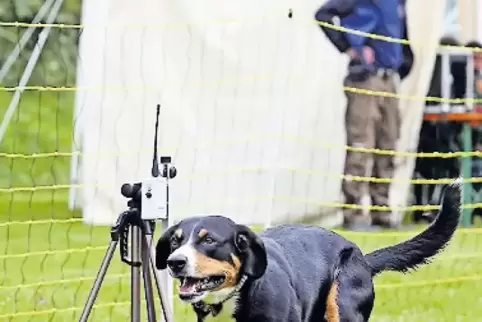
pixel 135 274
pixel 165 224
pixel 12 58
pixel 32 61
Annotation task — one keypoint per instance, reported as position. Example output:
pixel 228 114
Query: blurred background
pixel 253 114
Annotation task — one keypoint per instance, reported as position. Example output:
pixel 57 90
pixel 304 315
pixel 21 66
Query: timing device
pixel 148 202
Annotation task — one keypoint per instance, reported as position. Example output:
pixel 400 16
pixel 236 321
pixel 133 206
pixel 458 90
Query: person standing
pixel 477 56
pixel 370 121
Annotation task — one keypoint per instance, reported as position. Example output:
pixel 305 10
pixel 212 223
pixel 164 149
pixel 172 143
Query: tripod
pixel 145 206
pixel 141 260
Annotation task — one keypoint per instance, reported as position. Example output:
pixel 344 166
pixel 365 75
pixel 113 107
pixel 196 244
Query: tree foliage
pixel 56 66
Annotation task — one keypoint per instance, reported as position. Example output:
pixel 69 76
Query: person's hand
pixel 368 55
pixel 352 53
pixel 367 52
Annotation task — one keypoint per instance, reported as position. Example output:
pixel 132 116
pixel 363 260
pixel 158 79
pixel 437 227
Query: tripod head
pixel 147 196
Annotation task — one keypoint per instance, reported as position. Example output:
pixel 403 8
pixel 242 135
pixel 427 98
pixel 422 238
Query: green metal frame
pixel 469 195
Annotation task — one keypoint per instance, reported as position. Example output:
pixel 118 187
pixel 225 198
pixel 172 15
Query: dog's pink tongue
pixel 188 287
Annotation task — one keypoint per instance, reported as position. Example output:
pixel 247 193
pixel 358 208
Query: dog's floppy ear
pixel 252 250
pixel 163 248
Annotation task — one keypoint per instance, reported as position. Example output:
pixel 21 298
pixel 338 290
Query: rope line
pixel 41 188
pixel 62 311
pixel 61 281
pixel 445 281
pixel 368 92
pixel 336 205
pixel 41 222
pixel 300 140
pixel 310 201
pixel 88 249
pixel 400 234
pixel 346 177
pixel 53 252
pixel 459 279
pixel 42 155
pixel 387 38
pixel 354 90
pixel 16 24
pixel 370 234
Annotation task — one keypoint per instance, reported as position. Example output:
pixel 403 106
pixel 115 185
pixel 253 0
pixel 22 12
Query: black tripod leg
pixel 146 274
pixel 164 299
pixel 94 291
pixel 136 274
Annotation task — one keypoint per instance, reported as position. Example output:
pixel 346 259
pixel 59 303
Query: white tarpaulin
pixel 252 104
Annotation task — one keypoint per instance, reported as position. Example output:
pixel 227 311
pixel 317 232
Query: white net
pixel 253 117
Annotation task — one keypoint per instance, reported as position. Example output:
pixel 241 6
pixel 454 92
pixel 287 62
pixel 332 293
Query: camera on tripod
pixel 151 196
pixel 148 202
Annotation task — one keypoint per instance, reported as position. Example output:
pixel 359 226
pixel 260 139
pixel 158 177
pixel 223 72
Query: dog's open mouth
pixel 191 287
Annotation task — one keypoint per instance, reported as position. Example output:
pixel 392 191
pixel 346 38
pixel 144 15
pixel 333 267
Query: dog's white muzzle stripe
pixel 188 252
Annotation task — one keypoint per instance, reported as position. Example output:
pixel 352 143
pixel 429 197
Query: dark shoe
pixel 360 226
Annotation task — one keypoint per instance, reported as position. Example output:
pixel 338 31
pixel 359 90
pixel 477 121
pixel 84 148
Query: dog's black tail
pixel 418 250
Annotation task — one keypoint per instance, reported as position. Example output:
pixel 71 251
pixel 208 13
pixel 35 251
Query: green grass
pixel 46 270
pixel 447 290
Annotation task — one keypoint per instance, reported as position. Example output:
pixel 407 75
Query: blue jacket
pixel 380 17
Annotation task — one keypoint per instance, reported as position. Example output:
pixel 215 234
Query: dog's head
pixel 209 254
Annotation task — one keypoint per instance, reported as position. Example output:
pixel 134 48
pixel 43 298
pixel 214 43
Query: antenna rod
pixel 155 164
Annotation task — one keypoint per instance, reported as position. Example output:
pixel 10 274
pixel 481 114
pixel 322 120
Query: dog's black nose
pixel 177 263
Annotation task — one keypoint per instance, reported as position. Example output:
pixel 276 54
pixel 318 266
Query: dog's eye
pixel 208 240
pixel 174 243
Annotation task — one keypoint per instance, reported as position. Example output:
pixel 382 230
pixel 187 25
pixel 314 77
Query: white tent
pixel 252 104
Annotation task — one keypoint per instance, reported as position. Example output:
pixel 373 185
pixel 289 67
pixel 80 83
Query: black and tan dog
pixel 291 272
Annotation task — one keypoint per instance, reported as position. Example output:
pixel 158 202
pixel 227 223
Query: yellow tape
pixel 445 281
pixel 412 97
pixel 278 14
pixel 400 234
pixel 62 281
pixel 54 252
pixel 370 234
pixel 258 169
pixel 345 88
pixel 285 198
pixel 16 24
pixel 39 155
pixel 41 188
pixel 41 222
pixel 298 140
pixel 387 38
pixel 62 311
pixel 54 311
